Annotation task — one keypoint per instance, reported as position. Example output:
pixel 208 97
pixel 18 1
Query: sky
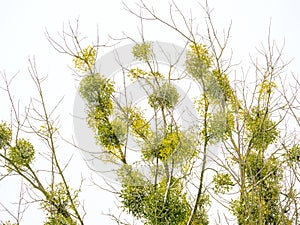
pixel 23 25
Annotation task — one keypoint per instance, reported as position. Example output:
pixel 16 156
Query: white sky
pixel 22 27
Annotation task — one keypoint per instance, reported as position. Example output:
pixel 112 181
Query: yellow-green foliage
pixel 163 147
pixel 5 135
pixel 85 59
pixel 142 51
pixel 200 50
pixel 120 128
pixel 150 203
pixel 140 127
pixel 201 103
pixel 106 133
pixel 226 92
pixel 198 61
pixel 58 205
pixel 293 154
pixel 260 203
pixel 168 145
pixel 261 130
pixel 173 146
pixel 137 73
pixel 22 154
pixel 220 125
pixel 97 91
pixel 44 130
pixel 219 122
pixel 265 89
pixel 131 177
pixel 165 96
pixel 222 183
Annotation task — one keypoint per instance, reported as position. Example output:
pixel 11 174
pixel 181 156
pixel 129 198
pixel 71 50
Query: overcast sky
pixel 23 25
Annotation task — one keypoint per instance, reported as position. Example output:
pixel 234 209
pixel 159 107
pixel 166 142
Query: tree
pixel 259 156
pixel 17 154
